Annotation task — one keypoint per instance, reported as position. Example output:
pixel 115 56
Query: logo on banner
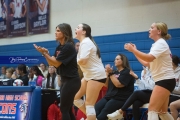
pixel 23 108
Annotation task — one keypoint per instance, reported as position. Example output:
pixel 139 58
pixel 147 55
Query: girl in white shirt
pixel 52 79
pixel 89 60
pixel 160 63
pixel 174 106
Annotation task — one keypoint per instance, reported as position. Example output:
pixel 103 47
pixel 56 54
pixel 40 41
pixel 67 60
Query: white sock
pixel 152 115
pixel 166 116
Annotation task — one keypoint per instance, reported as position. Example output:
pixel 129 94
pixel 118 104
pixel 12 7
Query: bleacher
pixel 110 46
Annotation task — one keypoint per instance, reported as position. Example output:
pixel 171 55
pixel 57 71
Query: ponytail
pixel 167 36
pixel 98 51
pixel 87 28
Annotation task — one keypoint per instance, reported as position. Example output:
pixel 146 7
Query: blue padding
pixel 174 33
pixel 110 56
pixel 16 89
pixel 119 46
pixel 104 48
pixel 27 46
pixel 142 36
pixel 98 39
pixel 105 57
pixel 136 65
pixel 35 112
pixel 176 51
pixel 174 43
pixel 115 47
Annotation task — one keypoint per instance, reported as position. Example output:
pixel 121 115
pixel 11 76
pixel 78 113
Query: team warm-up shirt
pixel 67 55
pixel 121 93
pixel 161 67
pixel 18 4
pixel 45 7
pixel 94 68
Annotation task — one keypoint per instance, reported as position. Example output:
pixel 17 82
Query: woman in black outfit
pixel 65 61
pixel 120 86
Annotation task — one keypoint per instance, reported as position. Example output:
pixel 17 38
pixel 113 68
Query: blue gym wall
pixel 110 46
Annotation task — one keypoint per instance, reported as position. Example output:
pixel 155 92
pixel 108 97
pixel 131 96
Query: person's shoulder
pixel 161 41
pixel 69 44
pixel 86 40
pixel 126 70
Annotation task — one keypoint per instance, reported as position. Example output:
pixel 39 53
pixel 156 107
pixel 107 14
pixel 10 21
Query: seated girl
pixel 120 86
pixel 39 77
pixel 9 73
pixel 138 98
pixel 52 79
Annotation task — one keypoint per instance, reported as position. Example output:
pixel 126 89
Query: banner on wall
pixel 21 59
pixel 3 18
pixel 17 15
pixel 38 16
pixel 15 106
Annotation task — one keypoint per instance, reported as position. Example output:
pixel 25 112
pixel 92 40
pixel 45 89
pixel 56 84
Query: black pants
pixel 173 98
pixel 137 99
pixel 69 88
pixel 107 106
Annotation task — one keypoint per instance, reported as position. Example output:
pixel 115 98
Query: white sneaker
pixel 115 115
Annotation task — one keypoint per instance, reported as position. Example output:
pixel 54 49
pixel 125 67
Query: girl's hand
pixel 108 68
pixel 130 47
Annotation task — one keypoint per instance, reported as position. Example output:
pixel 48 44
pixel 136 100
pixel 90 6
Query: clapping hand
pixel 41 49
pixel 130 47
pixel 108 68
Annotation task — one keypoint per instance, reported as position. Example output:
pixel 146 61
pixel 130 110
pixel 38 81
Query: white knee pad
pixel 90 110
pixel 78 103
pixel 152 115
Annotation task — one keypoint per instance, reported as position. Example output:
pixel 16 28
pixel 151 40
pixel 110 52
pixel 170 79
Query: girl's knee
pixel 173 105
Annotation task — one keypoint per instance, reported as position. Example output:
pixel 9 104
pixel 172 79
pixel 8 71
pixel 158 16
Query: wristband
pixel 110 74
pixel 44 53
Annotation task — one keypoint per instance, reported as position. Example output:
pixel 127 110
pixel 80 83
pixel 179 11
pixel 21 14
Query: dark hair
pixel 125 61
pixel 43 64
pixel 37 70
pixel 175 60
pixel 87 28
pixel 67 32
pixel 22 67
pixel 48 80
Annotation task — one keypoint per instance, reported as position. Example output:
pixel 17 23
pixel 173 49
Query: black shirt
pixel 67 55
pixel 121 93
pixel 25 79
